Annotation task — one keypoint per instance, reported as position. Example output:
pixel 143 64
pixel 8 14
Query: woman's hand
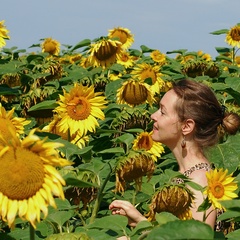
pixel 125 208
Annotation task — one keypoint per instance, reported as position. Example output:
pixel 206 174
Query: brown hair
pixel 198 102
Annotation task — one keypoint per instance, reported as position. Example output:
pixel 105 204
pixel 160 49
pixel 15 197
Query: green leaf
pixel 182 229
pixel 113 150
pixel 47 104
pixel 146 49
pixel 141 226
pixel 233 235
pixel 60 217
pixel 219 32
pixel 83 43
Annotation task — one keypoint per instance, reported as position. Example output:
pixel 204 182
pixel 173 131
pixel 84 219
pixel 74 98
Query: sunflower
pixel 51 46
pixel 104 52
pixel 123 35
pixel 135 93
pixel 3 34
pixel 221 186
pixel 144 141
pixel 76 138
pixel 28 177
pixel 7 120
pixel 126 60
pixel 158 57
pixel 132 168
pixel 176 199
pixel 80 109
pixel 233 36
pixel 145 71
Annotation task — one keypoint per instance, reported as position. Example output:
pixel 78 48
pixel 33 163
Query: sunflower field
pixel 75 134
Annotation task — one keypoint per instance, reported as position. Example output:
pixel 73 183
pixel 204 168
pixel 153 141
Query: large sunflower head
pixel 145 71
pixel 80 109
pixel 29 180
pixel 104 52
pixel 132 168
pixel 51 46
pixel 221 186
pixel 75 138
pixel 233 36
pixel 176 199
pixel 9 121
pixel 3 34
pixel 144 141
pixel 135 93
pixel 123 35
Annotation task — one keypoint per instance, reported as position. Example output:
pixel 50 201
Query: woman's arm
pixel 125 208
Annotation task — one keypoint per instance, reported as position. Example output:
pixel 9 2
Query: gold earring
pixel 183 143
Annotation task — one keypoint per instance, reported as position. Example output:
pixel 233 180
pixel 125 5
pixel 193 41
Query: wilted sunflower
pixel 80 109
pixel 221 186
pixel 8 120
pixel 132 168
pixel 144 141
pixel 123 35
pixel 176 199
pixel 131 118
pixel 3 34
pixel 51 46
pixel 28 178
pixel 75 138
pixel 145 71
pixel 233 36
pixel 135 93
pixel 104 52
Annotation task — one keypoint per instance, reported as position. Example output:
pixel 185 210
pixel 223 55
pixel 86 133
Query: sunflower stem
pixel 32 232
pixel 99 198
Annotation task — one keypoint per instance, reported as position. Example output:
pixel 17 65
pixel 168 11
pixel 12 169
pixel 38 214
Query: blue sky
pixel 165 25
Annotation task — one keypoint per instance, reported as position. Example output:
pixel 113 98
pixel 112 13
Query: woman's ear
pixel 188 126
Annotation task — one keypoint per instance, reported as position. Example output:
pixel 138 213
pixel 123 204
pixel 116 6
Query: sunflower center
pixel 79 108
pixel 149 73
pixel 145 142
pixel 105 52
pixel 235 34
pixel 21 173
pixel 217 190
pixel 123 37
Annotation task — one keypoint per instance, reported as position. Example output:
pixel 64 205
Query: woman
pixel 188 122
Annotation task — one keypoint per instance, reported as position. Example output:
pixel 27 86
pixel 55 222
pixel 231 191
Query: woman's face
pixel 167 127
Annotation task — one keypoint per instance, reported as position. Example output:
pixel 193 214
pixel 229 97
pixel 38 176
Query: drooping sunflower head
pixel 29 180
pixel 233 36
pixel 104 52
pixel 80 110
pixel 51 46
pixel 131 118
pixel 176 199
pixel 123 35
pixel 200 68
pixel 144 141
pixel 135 93
pixel 147 72
pixel 132 168
pixel 221 186
pixel 3 34
pixel 8 123
pixel 75 138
